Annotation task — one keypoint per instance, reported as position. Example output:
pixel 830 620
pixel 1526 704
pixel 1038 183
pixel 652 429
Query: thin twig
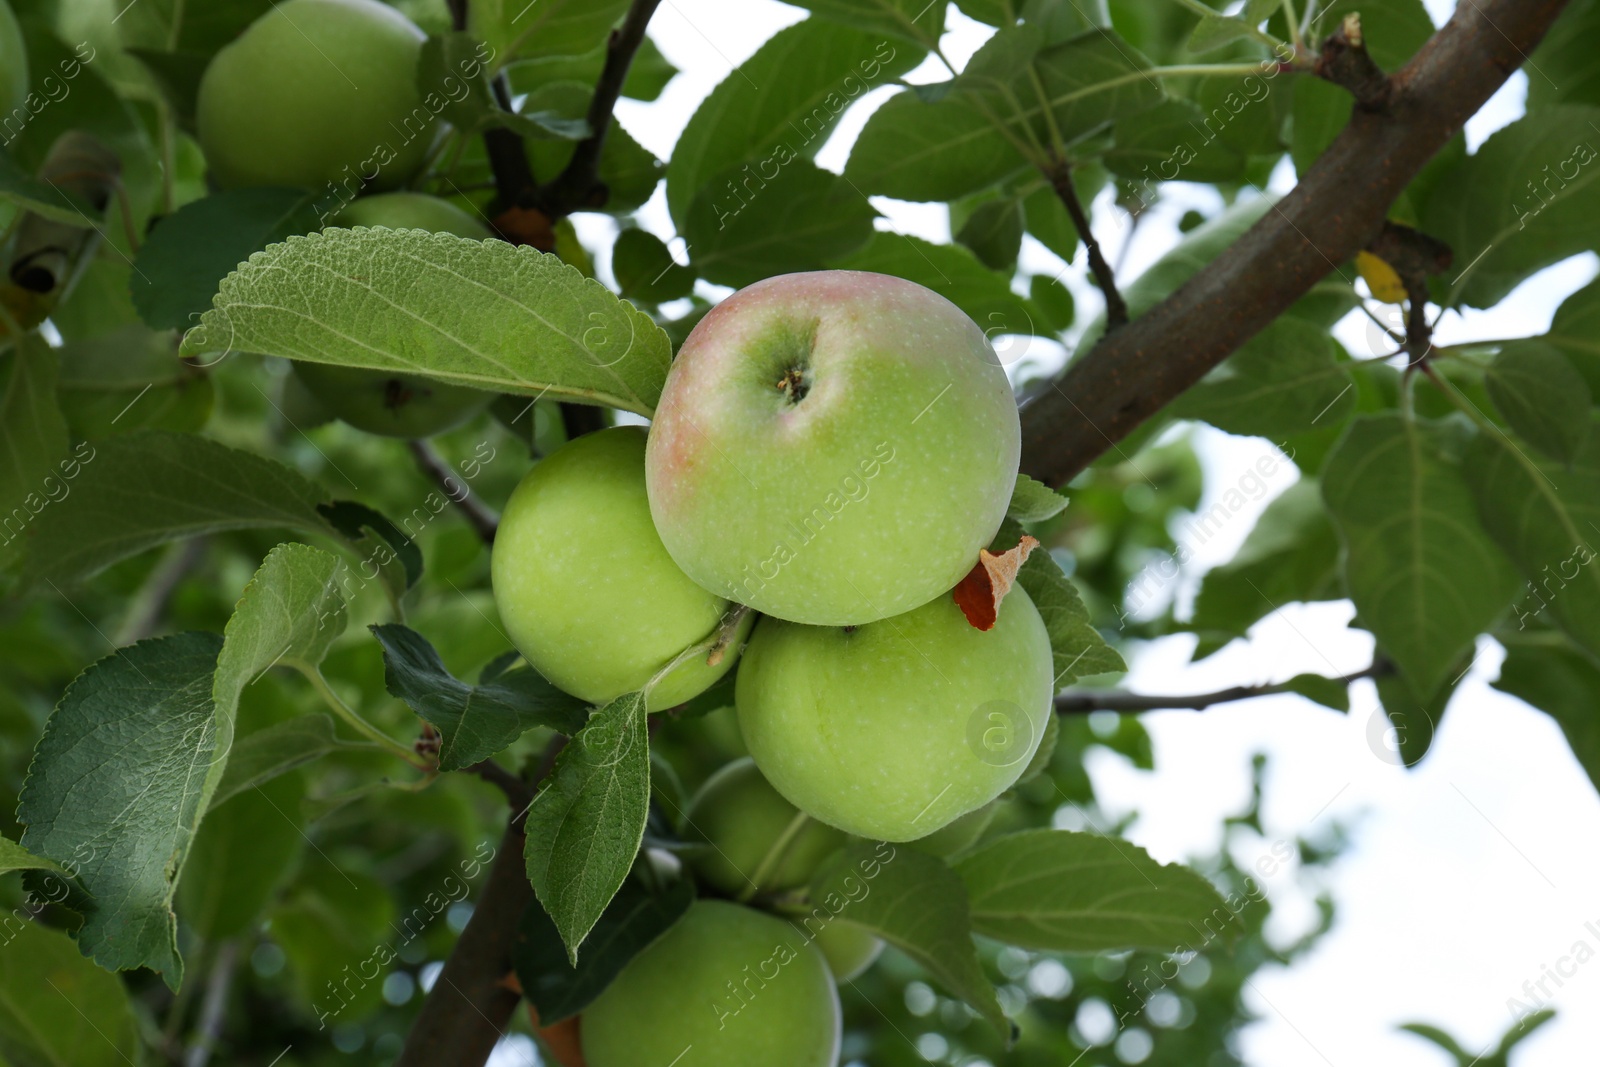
pixel 519 794
pixel 578 185
pixel 1060 176
pixel 1083 701
pixel 150 603
pixel 214 1008
pixel 1345 62
pixel 481 519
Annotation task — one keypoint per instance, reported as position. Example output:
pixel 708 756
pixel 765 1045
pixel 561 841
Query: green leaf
pixel 518 29
pixel 241 858
pixel 13 857
pixel 1411 722
pixel 139 726
pixel 59 1009
pixel 1078 892
pixel 1564 60
pixel 1575 330
pixel 955 274
pixel 1527 198
pixel 1214 31
pixel 1054 301
pixel 386 546
pixel 800 220
pixel 993 232
pixel 920 22
pixel 1076 646
pixel 35 472
pixel 1424 576
pixel 43 198
pixel 778 106
pixel 1285 380
pixel 474 721
pixel 1033 501
pixel 631 922
pixel 442 70
pixel 261 756
pixel 337 919
pixel 1292 554
pixel 645 269
pixel 1542 396
pixel 290 613
pixel 629 170
pixel 648 75
pixel 130 379
pixel 1171 142
pixel 1320 689
pixel 144 489
pixel 1089 81
pixel 476 313
pixel 187 255
pixel 913 150
pixel 585 826
pixel 914 902
pixel 1545 520
pixel 1565 685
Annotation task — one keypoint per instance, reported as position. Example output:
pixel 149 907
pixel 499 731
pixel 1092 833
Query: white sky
pixel 1463 882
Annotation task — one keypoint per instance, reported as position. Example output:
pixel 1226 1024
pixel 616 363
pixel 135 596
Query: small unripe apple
pixel 726 986
pixel 317 92
pixel 584 587
pixel 384 402
pixel 13 64
pixel 833 447
pixel 753 839
pixel 848 947
pixel 894 729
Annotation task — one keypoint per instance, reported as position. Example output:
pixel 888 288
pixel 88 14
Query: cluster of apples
pixel 831 449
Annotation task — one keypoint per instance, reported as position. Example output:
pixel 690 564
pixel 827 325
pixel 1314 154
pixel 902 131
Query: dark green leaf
pixel 645 269
pixel 1292 554
pixel 993 232
pixel 442 69
pixel 1329 692
pixel 1575 330
pixel 1424 576
pixel 915 150
pixel 1562 70
pixel 585 825
pixel 1033 501
pixel 1529 197
pixel 261 756
pixel 58 1009
pixel 1285 380
pixel 177 74
pixel 647 75
pixel 1078 892
pixel 1076 646
pixel 1544 398
pixel 1171 142
pixel 130 379
pixel 920 22
pixel 241 858
pixel 13 857
pixel 482 314
pixel 474 722
pixel 1405 733
pixel 799 220
pixel 777 107
pixel 139 725
pixel 635 917
pixel 518 29
pixel 914 902
pixel 43 198
pixel 1054 301
pixel 1088 82
pixel 1545 519
pixel 34 466
pixel 183 261
pixel 391 551
pixel 144 489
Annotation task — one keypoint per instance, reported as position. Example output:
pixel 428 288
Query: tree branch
pixel 1116 308
pixel 578 185
pixel 1084 701
pixel 1345 62
pixel 1337 209
pixel 477 514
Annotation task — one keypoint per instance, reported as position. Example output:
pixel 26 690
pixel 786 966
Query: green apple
pixel 584 587
pixel 13 71
pixel 894 729
pixel 751 839
pixel 726 986
pixel 832 447
pixel 848 947
pixel 382 402
pixel 315 93
pixel 411 211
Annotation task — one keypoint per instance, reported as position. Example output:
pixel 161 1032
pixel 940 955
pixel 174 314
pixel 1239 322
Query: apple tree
pixel 415 633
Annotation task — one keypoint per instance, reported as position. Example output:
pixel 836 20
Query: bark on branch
pixel 1345 62
pixel 1337 209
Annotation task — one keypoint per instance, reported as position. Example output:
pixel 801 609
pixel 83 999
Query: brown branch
pixel 1084 701
pixel 519 794
pixel 1060 177
pixel 458 14
pixel 1337 209
pixel 1345 62
pixel 578 186
pixel 477 514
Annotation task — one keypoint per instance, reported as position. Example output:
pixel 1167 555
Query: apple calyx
pixel 978 595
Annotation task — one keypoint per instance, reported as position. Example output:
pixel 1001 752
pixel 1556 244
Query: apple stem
pixel 773 857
